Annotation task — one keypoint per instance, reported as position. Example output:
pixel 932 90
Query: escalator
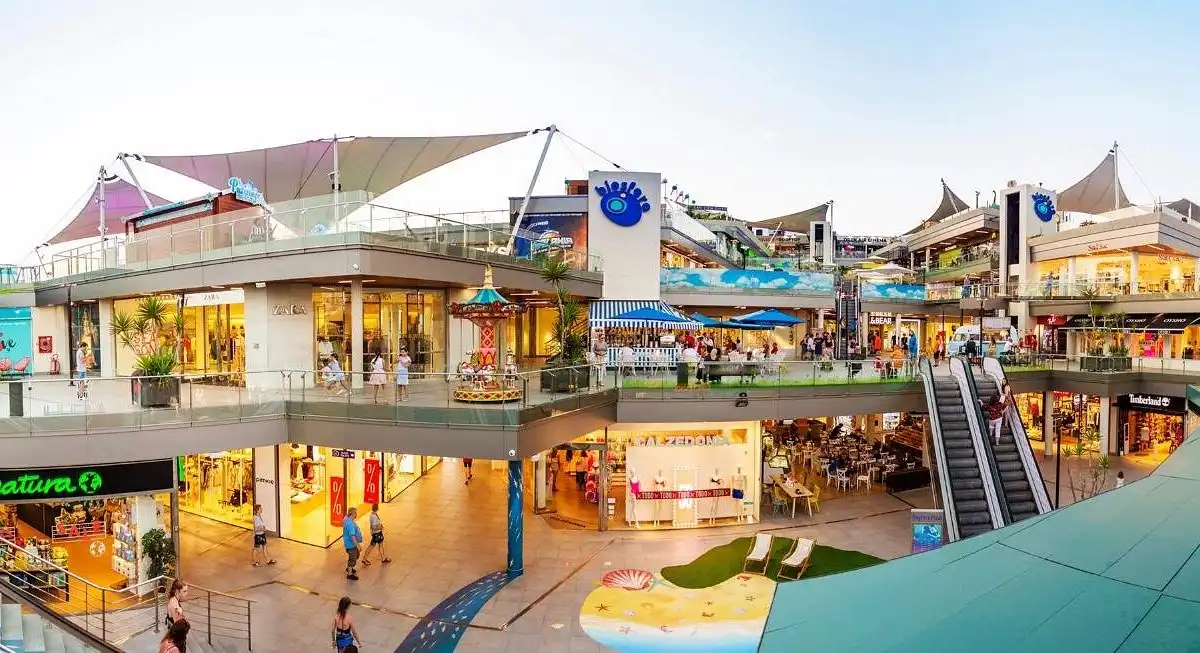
pixel 968 494
pixel 1021 488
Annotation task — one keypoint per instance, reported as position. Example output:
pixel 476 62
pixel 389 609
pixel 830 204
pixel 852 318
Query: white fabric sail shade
pixel 121 200
pixel 1094 194
pixel 375 164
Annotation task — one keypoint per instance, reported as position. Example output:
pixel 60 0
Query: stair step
pixel 10 625
pixel 975 518
pixel 966 484
pixel 969 495
pixel 33 635
pixel 967 530
pixel 975 505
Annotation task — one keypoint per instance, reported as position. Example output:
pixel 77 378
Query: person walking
pixel 175 598
pixel 81 370
pixel 345 636
pixel 994 408
pixel 467 462
pixel 175 641
pixel 260 540
pixel 402 365
pixel 376 537
pixel 378 375
pixel 351 539
pixel 1120 480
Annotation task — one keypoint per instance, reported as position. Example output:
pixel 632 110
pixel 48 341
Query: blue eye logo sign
pixel 622 202
pixel 1043 207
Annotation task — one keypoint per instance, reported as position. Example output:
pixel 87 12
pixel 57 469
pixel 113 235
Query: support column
pixel 1107 426
pixel 356 334
pixel 516 526
pixel 1048 434
pixel 108 342
pixel 1133 272
pixel 1195 277
pixel 1072 272
pixel 896 332
pixel 928 254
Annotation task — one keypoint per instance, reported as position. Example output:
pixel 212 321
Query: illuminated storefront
pixel 220 485
pixel 213 336
pixel 87 520
pixel 647 476
pixel 392 319
pixel 1150 426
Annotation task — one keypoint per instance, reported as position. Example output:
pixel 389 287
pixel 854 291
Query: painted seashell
pixel 5 364
pixel 628 579
pixel 22 364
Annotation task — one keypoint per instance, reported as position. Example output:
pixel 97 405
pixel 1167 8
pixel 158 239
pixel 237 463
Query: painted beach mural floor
pixel 708 605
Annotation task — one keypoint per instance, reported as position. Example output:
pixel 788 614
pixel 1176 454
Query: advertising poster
pixel 16 341
pixel 337 500
pixel 566 232
pixel 928 529
pixel 372 478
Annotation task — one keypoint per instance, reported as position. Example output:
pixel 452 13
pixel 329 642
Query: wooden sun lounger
pixel 760 552
pixel 798 558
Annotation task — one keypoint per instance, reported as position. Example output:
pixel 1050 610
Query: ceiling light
pixel 344 281
pixel 217 287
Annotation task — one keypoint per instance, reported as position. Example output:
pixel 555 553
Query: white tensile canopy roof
pixel 951 204
pixel 797 222
pixel 121 200
pixel 1094 194
pixel 371 163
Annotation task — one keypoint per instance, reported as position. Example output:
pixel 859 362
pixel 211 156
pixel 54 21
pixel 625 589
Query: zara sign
pixel 289 309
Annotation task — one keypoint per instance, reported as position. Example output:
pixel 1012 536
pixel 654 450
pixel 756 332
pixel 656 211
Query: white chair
pixel 798 559
pixel 843 480
pixel 861 480
pixel 760 552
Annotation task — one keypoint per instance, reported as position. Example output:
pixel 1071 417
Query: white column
pixel 1133 272
pixel 928 254
pixel 1108 426
pixel 1071 272
pixel 1196 277
pixel 820 319
pixel 1048 434
pixel 896 332
pixel 356 333
pixel 108 342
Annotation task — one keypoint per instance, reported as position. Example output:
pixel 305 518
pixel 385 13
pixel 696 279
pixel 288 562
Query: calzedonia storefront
pixel 652 476
pixel 86 520
pixel 305 491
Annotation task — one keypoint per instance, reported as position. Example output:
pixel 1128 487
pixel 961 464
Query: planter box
pixel 566 380
pixel 1122 363
pixel 1100 363
pixel 156 392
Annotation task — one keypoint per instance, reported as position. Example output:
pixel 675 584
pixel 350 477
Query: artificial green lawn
pixel 665 383
pixel 721 563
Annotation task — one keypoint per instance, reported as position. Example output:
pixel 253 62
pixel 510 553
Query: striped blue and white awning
pixel 602 311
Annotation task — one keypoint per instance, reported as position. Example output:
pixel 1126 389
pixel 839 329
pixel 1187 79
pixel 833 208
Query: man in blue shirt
pixel 352 538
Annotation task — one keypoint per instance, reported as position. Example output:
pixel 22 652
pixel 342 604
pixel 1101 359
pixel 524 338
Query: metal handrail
pixel 69 627
pixel 983 454
pixel 1037 483
pixel 222 615
pixel 62 596
pixel 939 450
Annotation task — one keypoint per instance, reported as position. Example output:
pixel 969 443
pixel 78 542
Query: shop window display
pixel 85 321
pixel 310 473
pixel 392 320
pixel 219 486
pixel 98 540
pixel 212 340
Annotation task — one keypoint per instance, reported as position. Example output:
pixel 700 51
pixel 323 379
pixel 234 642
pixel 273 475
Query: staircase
pixel 24 631
pixel 1015 489
pixel 962 473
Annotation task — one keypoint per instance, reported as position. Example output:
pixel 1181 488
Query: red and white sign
pixel 684 494
pixel 372 478
pixel 337 500
pixel 45 344
pixel 88 530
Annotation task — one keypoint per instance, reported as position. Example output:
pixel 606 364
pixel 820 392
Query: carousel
pixel 482 378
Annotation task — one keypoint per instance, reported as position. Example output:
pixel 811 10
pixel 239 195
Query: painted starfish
pixel 602 608
pixel 625 630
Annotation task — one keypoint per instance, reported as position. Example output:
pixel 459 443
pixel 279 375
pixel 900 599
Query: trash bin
pixel 16 398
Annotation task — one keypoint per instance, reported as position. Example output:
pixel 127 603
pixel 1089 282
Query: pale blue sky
pixel 765 106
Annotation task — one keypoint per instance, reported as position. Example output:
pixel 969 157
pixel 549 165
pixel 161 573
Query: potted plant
pixel 154 383
pixel 566 369
pixel 159 549
pixel 1119 350
pixel 1094 359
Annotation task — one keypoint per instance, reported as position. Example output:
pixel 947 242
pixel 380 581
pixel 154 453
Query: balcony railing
pixel 295 225
pixel 759 379
pixel 717 280
pixel 39 405
pixel 964 261
pixel 1107 364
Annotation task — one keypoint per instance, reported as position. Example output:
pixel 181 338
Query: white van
pixel 956 344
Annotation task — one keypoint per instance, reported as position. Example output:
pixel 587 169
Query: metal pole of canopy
pixel 336 179
pixel 1116 182
pixel 100 199
pixel 537 171
pixel 123 158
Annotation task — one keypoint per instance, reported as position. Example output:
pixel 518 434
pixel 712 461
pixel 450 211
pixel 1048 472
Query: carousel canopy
pixel 769 317
pixel 609 313
pixel 371 163
pixel 121 200
pixel 487 302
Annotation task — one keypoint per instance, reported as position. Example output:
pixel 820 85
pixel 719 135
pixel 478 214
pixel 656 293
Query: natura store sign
pixel 62 483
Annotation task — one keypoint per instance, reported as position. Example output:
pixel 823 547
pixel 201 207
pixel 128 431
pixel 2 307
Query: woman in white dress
pixel 402 365
pixel 378 375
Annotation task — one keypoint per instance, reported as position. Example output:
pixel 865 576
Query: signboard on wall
pixel 928 529
pixel 45 344
pixel 16 341
pixel 215 297
pixel 545 233
pixel 1153 403
pixel 86 481
pixel 372 479
pixel 337 500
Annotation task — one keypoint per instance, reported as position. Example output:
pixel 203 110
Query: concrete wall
pixel 51 321
pixel 280 334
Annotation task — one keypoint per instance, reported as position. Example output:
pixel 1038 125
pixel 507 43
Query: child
pixel 402 365
pixel 1120 480
pixel 334 377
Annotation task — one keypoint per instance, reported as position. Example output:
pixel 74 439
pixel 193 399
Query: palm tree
pixel 567 335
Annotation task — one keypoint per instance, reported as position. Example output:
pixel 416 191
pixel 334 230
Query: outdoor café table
pixel 795 492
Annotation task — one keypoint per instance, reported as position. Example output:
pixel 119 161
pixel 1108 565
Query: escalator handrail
pixel 939 452
pixel 989 474
pixel 989 452
pixel 1033 473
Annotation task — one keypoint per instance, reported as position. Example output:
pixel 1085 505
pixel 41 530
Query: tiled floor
pixel 443 535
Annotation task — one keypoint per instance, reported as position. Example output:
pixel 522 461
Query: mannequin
pixel 660 483
pixel 716 482
pixel 633 486
pixel 739 493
